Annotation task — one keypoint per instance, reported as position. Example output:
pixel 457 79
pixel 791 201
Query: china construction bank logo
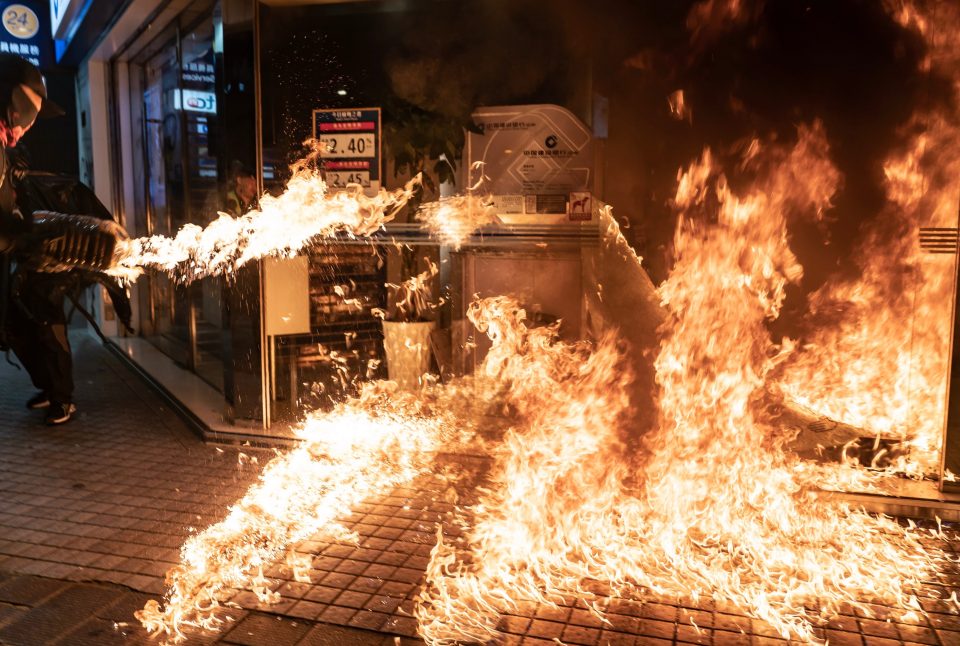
pixel 20 21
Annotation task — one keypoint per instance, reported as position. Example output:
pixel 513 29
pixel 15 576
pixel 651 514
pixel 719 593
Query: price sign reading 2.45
pixel 350 138
pixel 342 179
pixel 349 146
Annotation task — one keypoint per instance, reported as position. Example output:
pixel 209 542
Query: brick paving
pixel 92 515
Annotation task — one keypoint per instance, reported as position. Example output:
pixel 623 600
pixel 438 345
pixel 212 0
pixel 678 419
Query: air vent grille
pixel 938 239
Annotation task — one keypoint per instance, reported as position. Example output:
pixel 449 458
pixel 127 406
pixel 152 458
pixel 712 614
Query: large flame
pixel 878 354
pixel 281 225
pixel 711 506
pixel 717 510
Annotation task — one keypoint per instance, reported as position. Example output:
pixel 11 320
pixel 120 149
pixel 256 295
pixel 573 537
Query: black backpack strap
pixel 87 315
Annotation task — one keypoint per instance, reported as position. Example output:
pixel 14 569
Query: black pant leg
pixel 28 345
pixel 38 335
pixel 58 362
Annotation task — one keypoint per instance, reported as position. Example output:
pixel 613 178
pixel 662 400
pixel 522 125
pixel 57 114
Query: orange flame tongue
pixel 880 361
pixel 727 281
pixel 721 512
pixel 345 457
pixel 281 225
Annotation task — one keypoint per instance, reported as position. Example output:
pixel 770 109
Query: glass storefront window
pixel 183 185
pixel 228 94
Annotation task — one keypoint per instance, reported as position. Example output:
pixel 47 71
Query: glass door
pixel 164 169
pixel 202 195
pixel 180 110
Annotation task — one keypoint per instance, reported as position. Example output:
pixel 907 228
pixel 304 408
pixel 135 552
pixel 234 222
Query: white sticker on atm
pixel 508 203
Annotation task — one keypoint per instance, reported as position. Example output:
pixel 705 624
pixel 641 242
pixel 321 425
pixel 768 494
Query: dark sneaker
pixel 60 413
pixel 38 401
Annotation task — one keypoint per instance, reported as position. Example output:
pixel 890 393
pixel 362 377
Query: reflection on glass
pixel 180 109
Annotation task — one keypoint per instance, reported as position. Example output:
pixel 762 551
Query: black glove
pixel 61 242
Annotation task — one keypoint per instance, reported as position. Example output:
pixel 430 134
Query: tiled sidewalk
pixel 92 515
pixel 111 495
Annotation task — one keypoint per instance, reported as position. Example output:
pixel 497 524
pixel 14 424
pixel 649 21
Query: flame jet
pixel 282 225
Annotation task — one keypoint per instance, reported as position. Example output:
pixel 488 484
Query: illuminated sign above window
pixel 25 32
pixel 195 101
pixel 62 13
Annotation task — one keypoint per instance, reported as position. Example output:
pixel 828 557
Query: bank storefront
pixel 194 109
pixel 206 108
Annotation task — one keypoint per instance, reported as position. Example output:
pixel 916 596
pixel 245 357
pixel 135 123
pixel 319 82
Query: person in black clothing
pixel 39 250
pixel 38 337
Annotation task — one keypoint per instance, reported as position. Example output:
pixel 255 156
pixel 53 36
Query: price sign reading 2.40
pixel 350 139
pixel 361 145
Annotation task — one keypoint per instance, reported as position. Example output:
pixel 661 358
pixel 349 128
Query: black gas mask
pixel 23 108
pixel 23 93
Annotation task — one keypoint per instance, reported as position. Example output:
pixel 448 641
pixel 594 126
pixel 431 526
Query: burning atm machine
pixel 536 162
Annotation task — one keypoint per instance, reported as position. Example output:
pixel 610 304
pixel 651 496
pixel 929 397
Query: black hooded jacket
pixel 13 225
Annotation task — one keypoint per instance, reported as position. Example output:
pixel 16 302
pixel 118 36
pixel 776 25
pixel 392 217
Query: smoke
pixel 464 55
pixel 750 68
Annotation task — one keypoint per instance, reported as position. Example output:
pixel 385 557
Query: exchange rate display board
pixel 351 146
